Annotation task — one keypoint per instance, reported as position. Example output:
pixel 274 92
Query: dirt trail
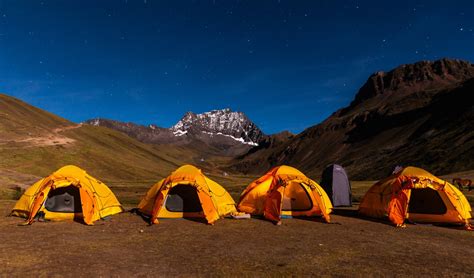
pixel 52 139
pixel 61 129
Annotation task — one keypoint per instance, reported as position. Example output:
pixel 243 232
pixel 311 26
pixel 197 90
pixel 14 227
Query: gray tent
pixel 336 184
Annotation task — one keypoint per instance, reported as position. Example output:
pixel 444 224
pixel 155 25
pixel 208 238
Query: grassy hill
pixel 36 142
pixel 19 120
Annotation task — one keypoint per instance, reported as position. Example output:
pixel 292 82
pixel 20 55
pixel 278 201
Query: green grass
pixel 10 193
pixel 359 188
pixel 106 154
pixel 234 184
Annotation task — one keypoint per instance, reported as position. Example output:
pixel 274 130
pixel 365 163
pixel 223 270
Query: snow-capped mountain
pixel 224 130
pixel 235 125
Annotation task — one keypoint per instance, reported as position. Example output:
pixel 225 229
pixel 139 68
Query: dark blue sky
pixel 286 64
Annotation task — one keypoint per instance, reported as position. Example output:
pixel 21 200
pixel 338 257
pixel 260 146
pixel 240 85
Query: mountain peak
pixel 222 126
pixel 419 114
pixel 219 122
pixel 422 75
pixel 224 110
pixel 94 122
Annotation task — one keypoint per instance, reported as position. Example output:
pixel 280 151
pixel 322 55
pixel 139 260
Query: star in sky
pixel 239 54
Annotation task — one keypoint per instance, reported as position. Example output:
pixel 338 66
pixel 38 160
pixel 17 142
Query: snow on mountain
pixel 179 132
pixel 241 140
pixel 94 122
pixel 235 125
pixel 224 122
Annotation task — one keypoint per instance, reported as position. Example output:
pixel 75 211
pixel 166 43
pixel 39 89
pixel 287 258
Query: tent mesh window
pixel 296 198
pixel 426 201
pixel 64 199
pixel 183 198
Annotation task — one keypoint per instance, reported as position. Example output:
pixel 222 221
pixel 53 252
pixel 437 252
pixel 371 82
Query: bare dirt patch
pixel 52 139
pixel 126 246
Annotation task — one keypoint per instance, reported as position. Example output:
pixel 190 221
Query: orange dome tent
pixel 67 194
pixel 187 192
pixel 417 195
pixel 285 191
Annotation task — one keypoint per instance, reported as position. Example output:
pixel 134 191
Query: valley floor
pixel 126 246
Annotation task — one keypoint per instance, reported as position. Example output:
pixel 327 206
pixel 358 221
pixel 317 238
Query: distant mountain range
pixel 419 114
pixel 219 132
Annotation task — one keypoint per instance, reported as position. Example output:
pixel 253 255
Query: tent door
pixel 183 198
pixel 426 201
pixel 64 199
pixel 296 198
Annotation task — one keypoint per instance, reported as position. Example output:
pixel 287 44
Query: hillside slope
pixel 420 114
pixel 18 119
pixel 33 141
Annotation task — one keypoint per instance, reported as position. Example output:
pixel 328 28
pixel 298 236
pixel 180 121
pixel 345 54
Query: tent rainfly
pixel 285 191
pixel 418 196
pixel 187 193
pixel 67 194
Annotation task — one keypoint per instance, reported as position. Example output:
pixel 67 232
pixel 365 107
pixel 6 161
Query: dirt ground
pixel 126 246
pixel 43 140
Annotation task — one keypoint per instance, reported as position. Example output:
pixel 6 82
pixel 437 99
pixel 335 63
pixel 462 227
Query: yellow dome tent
pixel 285 191
pixel 418 196
pixel 67 194
pixel 187 193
